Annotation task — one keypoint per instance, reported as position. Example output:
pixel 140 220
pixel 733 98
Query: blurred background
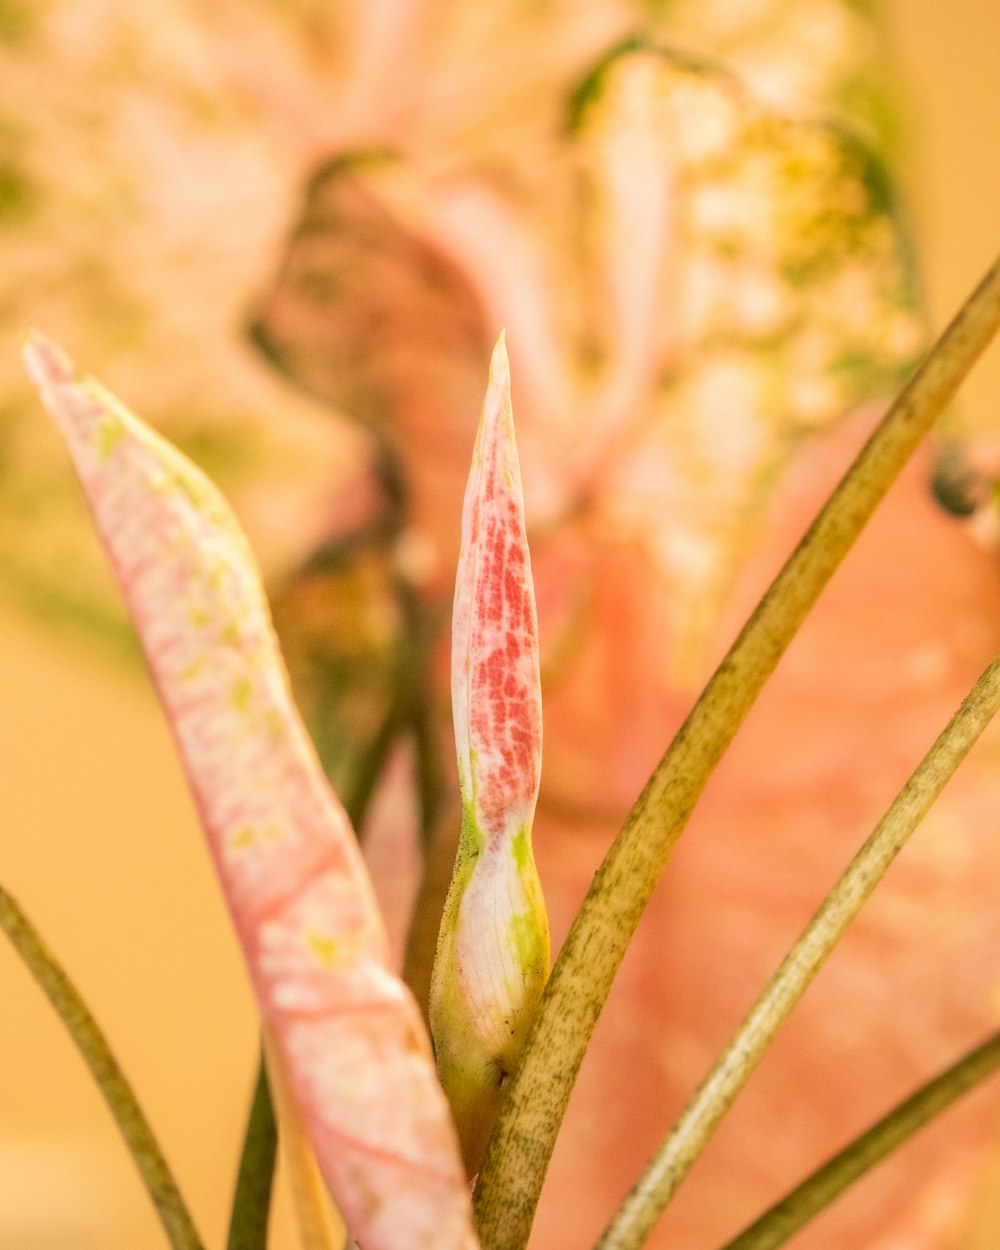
pixel 287 235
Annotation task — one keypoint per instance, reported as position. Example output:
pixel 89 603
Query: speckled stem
pixel 118 1093
pixel 827 1183
pixel 637 1215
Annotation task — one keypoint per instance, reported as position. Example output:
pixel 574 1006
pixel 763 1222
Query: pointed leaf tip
pixel 493 948
pixel 46 363
pixel 348 1032
pixel 500 362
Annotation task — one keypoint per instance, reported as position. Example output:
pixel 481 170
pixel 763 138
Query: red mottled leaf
pixel 493 952
pixel 495 682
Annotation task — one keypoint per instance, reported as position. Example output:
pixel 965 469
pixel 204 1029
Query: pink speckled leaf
pixel 348 1032
pixel 493 949
pixel 495 682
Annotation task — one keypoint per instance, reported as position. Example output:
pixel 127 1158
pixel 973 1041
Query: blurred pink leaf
pixel 891 648
pixel 347 1030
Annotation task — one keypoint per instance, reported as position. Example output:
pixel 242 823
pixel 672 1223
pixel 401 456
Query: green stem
pixel 423 623
pixel 118 1094
pixel 428 907
pixel 368 770
pixel 637 1215
pixel 438 813
pixel 522 1143
pixel 817 1191
pixel 255 1179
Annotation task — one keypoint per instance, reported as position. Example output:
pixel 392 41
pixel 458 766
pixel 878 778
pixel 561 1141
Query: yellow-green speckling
pixel 109 434
pixel 191 672
pixel 246 837
pixel 530 944
pixel 332 952
pixel 198 492
pixel 199 616
pixel 471 835
pixel 243 839
pixel 521 848
pixel 241 693
pixel 323 947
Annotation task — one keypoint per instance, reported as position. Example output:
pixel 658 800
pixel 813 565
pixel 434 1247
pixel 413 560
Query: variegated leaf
pixel 493 951
pixel 346 1028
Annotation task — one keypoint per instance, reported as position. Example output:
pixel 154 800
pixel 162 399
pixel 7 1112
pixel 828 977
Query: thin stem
pixel 251 1210
pixel 439 818
pixel 827 1183
pixel 423 624
pixel 369 768
pixel 525 1134
pixel 637 1215
pixel 428 907
pixel 118 1094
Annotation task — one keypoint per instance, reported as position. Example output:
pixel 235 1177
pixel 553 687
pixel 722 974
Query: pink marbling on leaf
pixel 493 947
pixel 348 1031
pixel 495 682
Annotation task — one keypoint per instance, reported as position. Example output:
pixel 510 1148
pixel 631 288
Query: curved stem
pixel 439 818
pixel 637 1215
pixel 118 1094
pixel 827 1183
pixel 251 1209
pixel 525 1134
pixel 368 770
pixel 423 623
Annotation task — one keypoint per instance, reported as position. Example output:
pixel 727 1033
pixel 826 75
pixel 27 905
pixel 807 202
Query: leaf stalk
pixel 248 1221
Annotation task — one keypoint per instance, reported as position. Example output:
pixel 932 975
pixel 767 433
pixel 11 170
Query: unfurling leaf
pixel 348 1033
pixel 493 949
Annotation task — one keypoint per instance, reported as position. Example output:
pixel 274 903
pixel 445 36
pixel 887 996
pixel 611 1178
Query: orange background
pixel 99 841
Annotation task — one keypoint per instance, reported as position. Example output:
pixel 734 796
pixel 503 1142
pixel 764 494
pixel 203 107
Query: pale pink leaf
pixel 348 1032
